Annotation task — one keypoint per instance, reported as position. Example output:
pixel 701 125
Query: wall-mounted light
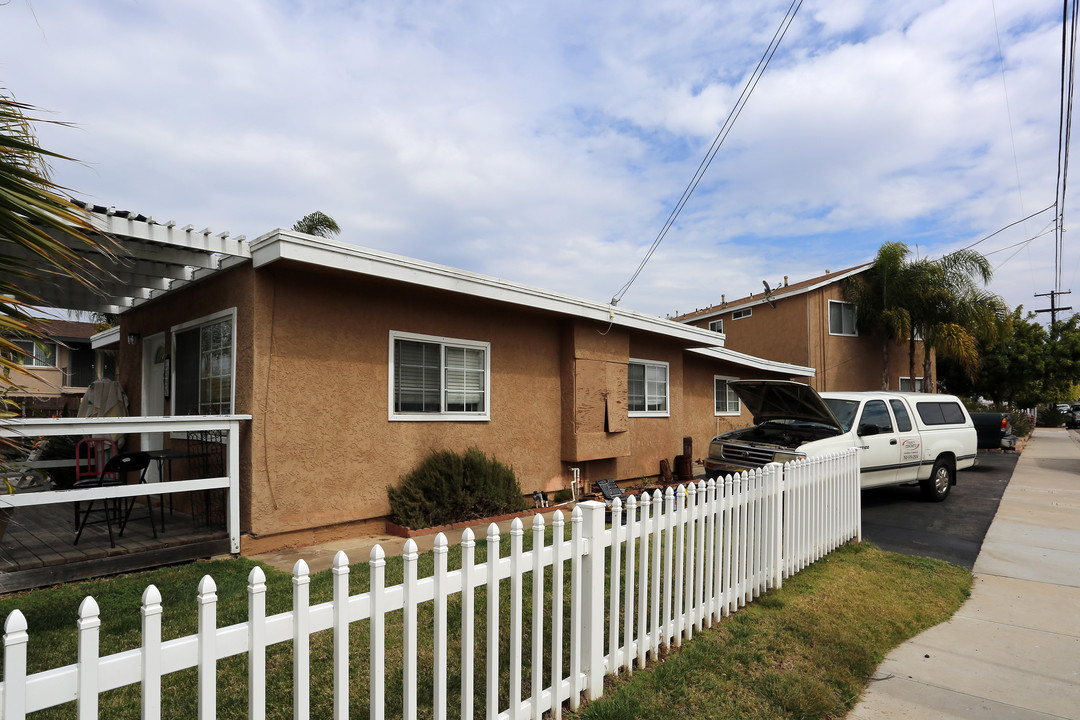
pixel 133 338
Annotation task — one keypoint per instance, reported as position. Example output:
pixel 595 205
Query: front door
pixel 155 361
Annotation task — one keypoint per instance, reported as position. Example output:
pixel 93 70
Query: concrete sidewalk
pixel 1013 650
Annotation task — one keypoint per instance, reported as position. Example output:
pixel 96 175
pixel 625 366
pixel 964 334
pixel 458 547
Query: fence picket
pixel 538 617
pixel 643 575
pixel 517 572
pixel 493 621
pixel 682 560
pixel 340 573
pixel 15 640
pixel 409 646
pixel 256 643
pixel 151 653
pixel 558 560
pixel 629 586
pixel 207 680
pixel 468 620
pixel 667 622
pixel 377 632
pixel 618 532
pixel 301 581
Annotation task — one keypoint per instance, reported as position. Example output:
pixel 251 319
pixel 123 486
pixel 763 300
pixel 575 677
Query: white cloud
pixel 546 143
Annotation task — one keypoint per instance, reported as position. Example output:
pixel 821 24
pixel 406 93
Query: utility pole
pixel 1053 309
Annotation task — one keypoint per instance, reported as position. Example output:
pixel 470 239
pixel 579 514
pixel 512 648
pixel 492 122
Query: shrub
pixel 1021 423
pixel 1050 417
pixel 449 487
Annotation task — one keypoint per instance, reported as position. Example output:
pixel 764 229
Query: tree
pixel 880 306
pixel 950 312
pixel 937 301
pixel 41 231
pixel 318 224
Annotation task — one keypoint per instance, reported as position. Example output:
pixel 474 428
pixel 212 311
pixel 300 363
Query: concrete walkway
pixel 1013 650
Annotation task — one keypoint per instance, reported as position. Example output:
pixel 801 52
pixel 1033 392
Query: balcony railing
pixel 52 427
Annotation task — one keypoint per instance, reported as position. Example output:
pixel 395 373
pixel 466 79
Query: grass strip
pixel 803 651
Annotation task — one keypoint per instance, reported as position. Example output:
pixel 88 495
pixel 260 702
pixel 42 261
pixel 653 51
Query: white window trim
pixel 439 416
pixel 738 402
pixel 911 385
pixel 740 314
pixel 828 319
pixel 205 320
pixel 32 355
pixel 719 323
pixel 667 390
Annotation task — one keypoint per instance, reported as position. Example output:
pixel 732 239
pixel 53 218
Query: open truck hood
pixel 783 400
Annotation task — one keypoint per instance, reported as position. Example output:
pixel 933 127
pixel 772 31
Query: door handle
pixel 893 441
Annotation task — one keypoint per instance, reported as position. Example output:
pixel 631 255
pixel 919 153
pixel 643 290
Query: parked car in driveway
pixel 905 438
pixel 993 430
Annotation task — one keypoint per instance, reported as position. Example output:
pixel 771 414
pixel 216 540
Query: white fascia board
pixel 289 245
pixel 105 338
pixel 755 363
pixel 828 280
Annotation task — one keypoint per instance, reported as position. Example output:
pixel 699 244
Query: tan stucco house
pixel 354 363
pixel 809 323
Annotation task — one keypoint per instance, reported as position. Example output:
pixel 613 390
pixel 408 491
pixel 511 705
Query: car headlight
pixel 786 457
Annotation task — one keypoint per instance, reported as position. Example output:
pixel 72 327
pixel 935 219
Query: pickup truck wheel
pixel 937 487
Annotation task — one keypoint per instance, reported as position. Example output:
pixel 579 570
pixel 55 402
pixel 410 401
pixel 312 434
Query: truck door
pixel 911 450
pixel 880 445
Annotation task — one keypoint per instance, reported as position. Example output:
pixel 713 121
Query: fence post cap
pixel 410 551
pixel 377 553
pixel 441 543
pixel 468 536
pixel 151 595
pixel 538 521
pixel 88 607
pixel 15 622
pixel 256 576
pixel 341 560
pixel 493 531
pixel 516 526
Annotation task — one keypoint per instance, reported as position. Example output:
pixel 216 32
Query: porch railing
pixel 52 427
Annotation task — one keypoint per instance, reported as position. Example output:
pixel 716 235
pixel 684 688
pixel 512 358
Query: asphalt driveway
pixel 898 520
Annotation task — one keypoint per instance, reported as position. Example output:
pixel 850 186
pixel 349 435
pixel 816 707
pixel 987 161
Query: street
pixel 897 519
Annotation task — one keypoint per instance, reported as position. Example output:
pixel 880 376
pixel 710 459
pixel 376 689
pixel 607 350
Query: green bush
pixel 1021 423
pixel 449 487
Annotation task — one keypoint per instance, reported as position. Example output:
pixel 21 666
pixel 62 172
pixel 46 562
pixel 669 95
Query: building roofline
pixel 284 244
pixel 781 293
pixel 756 363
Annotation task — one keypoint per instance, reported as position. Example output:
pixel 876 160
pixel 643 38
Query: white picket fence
pixel 681 561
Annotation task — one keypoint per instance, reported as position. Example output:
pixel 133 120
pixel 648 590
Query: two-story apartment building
pixel 809 323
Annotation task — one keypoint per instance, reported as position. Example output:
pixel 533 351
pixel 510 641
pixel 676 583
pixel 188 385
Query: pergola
pixel 152 257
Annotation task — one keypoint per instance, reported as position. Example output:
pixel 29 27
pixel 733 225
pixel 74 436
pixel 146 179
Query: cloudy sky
pixel 546 142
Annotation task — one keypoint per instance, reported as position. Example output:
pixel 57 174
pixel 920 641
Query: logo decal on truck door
pixel 909 451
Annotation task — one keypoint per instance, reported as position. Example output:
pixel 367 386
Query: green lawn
pixel 803 651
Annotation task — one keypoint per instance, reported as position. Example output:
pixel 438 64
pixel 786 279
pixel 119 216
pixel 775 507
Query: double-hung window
pixel 204 363
pixel 435 378
pixel 727 402
pixel 842 318
pixel 647 386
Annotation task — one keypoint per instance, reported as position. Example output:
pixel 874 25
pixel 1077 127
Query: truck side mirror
pixel 868 429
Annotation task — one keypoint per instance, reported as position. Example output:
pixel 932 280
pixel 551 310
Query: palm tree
pixel 36 221
pixel 318 224
pixel 950 312
pixel 879 298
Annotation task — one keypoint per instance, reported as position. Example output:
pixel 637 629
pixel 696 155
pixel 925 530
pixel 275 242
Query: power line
pixel 733 115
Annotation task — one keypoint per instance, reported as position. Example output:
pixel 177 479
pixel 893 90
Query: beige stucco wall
pixel 324 450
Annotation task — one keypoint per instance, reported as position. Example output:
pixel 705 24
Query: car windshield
pixel 844 410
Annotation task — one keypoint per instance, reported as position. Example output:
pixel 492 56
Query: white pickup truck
pixel 905 438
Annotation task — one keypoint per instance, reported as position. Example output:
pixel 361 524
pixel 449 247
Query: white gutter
pixel 756 363
pixel 283 244
pixel 105 338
